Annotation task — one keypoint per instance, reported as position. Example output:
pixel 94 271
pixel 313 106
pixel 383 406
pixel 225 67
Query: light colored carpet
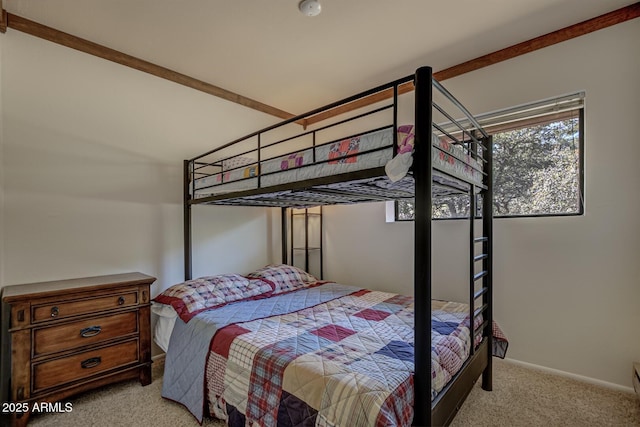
pixel 520 397
pixel 528 397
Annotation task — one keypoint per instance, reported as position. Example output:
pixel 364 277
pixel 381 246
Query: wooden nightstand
pixel 70 336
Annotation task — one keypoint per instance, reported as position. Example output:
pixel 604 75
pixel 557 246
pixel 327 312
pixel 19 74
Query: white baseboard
pixel 577 377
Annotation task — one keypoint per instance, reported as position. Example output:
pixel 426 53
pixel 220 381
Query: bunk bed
pixel 362 158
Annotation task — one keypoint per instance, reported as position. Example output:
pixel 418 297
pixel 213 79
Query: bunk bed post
pixel 321 246
pixel 283 221
pixel 187 222
pixel 292 260
pixel 422 245
pixel 395 119
pixel 487 229
pixel 306 239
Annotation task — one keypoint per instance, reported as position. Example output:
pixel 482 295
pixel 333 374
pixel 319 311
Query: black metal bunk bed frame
pixel 301 194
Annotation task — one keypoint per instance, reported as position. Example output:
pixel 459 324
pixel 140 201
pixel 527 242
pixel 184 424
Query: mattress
pixel 366 151
pixel 347 360
pixel 164 324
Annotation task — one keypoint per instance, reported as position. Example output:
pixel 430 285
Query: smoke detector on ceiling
pixel 310 7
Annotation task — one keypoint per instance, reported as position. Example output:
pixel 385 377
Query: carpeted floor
pixel 527 397
pixel 520 397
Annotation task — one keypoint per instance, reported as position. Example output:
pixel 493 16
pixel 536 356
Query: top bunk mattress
pixel 367 151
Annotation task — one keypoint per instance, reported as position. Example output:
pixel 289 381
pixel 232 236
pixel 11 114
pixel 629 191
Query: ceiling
pixel 268 51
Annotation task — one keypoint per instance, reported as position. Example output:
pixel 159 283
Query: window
pixel 538 163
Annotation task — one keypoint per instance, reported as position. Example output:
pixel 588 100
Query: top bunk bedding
pixel 364 154
pixel 452 165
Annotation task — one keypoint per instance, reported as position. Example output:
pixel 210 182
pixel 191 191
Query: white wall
pixel 92 166
pixel 566 289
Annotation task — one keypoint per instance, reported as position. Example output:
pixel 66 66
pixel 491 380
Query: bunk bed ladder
pixel 487 261
pixel 472 267
pixel 485 329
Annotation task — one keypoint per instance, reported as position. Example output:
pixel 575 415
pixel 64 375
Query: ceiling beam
pixel 3 19
pixel 585 27
pixel 47 33
pixel 603 21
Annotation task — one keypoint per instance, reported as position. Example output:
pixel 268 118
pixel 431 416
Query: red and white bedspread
pixel 348 361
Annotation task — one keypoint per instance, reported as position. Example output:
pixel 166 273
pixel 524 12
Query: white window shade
pixel 545 107
pixel 538 112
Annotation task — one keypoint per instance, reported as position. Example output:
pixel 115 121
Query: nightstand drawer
pixel 53 311
pixel 82 365
pixel 83 332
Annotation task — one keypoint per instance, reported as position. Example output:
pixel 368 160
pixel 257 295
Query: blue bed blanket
pixel 184 372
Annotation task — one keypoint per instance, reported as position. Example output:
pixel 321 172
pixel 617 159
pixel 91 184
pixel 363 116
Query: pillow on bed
pixel 285 278
pixel 405 139
pixel 194 296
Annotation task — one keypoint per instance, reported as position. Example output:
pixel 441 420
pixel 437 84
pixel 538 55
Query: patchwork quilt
pixel 338 151
pixel 346 360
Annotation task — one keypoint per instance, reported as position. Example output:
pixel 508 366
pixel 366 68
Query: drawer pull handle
pixel 91 363
pixel 120 300
pixel 54 311
pixel 91 331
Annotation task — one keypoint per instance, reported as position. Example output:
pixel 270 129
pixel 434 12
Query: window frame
pixel 533 121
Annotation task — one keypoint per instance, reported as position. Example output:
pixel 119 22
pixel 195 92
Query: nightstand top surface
pixel 18 292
